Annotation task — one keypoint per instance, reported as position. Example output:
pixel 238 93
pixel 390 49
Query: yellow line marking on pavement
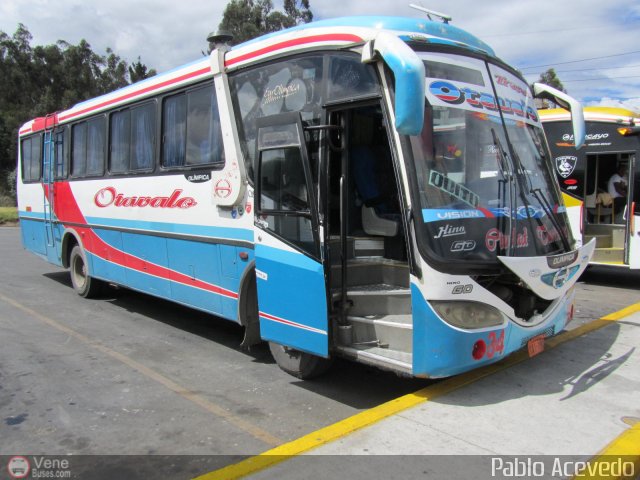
pixel 202 402
pixel 369 417
pixel 610 462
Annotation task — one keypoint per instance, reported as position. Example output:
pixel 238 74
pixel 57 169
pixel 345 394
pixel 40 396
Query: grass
pixel 8 215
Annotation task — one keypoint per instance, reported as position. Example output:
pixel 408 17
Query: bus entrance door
pixel 292 298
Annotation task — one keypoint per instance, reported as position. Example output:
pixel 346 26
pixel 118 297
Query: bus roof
pixel 332 33
pixel 362 29
pixel 592 114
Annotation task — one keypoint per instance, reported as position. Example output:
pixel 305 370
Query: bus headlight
pixel 469 315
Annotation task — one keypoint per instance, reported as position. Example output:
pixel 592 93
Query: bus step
pixel 608 255
pixel 379 299
pixel 618 237
pixel 366 271
pixel 392 332
pixel 602 240
pixel 400 362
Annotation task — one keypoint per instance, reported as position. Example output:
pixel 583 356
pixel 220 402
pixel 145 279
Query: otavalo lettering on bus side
pixel 109 196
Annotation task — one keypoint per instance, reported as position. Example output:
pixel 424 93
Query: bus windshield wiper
pixel 502 160
pixel 507 177
pixel 543 201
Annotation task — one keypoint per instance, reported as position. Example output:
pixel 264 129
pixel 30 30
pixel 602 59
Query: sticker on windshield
pixel 462 193
pixel 520 213
pixel 496 240
pixel 441 92
pixel 440 214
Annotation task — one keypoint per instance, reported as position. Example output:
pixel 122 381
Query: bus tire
pixel 83 284
pixel 299 364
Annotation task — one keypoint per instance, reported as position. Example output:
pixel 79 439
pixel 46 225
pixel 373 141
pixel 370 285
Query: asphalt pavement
pixel 129 374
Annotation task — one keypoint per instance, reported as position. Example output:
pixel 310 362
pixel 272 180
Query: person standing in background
pixel 617 188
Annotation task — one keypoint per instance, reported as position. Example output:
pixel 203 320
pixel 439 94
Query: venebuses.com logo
pixel 19 466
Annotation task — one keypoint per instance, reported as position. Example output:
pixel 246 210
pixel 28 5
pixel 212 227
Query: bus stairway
pixel 378 327
pixel 609 245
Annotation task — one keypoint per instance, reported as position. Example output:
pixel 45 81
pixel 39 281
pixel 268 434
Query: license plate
pixel 536 345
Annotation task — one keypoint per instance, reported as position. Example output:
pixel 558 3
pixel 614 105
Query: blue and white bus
pixel 373 188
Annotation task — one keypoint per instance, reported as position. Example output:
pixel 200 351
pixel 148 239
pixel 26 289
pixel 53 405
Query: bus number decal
pixel 496 344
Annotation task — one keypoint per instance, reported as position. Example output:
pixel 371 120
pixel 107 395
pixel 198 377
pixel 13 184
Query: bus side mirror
pixel 540 90
pixel 409 74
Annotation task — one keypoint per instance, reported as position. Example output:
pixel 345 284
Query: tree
pixel 550 78
pixel 247 19
pixel 139 71
pixel 45 79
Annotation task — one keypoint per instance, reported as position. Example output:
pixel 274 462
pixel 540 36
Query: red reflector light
pixel 243 255
pixel 479 349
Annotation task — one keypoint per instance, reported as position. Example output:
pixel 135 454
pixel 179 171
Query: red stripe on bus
pixel 341 37
pixel 331 37
pixel 284 321
pixel 142 91
pixel 68 211
pixel 487 213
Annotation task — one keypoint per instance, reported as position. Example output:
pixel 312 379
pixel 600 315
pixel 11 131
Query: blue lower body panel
pixel 440 350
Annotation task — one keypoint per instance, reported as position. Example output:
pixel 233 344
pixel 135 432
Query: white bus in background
pixel 586 178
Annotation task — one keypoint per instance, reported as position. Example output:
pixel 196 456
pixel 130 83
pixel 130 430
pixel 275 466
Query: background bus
pixel 584 179
pixel 371 188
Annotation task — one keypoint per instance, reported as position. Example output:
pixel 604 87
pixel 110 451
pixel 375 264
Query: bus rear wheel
pixel 299 364
pixel 83 284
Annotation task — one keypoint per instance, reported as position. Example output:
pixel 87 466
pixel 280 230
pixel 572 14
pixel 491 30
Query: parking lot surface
pixel 132 374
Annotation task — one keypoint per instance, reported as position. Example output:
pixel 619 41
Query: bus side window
pixel 293 85
pixel 143 137
pixel 88 151
pixel 248 106
pixel 96 143
pixel 204 136
pixel 174 130
pixel 60 171
pixel 191 131
pixel 133 139
pixel 31 158
pixel 350 78
pixel 119 141
pixel 79 150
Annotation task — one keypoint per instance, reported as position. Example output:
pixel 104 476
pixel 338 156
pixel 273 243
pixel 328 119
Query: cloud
pixel 164 33
pixel 632 104
pixel 167 34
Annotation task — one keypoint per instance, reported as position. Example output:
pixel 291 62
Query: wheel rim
pixel 79 272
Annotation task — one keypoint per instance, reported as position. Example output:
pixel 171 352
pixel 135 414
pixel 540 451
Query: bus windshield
pixel 484 181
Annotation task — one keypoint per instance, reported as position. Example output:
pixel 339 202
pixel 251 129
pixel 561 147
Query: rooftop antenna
pixel 445 18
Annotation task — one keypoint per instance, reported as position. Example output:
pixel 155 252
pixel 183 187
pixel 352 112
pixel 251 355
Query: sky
pixel 593 45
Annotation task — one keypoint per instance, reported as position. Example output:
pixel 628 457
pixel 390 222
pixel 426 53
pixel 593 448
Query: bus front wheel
pixel 299 364
pixel 83 284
